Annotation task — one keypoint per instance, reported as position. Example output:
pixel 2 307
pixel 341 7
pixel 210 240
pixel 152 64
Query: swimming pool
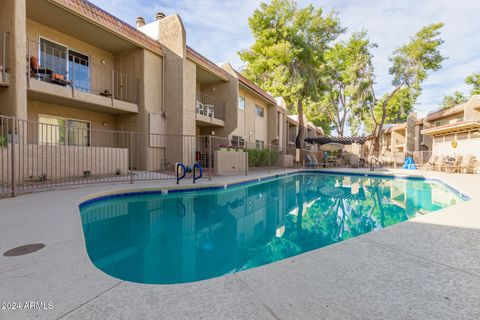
pixel 177 237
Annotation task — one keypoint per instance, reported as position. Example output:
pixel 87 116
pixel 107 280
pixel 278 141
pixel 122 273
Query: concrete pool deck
pixel 425 268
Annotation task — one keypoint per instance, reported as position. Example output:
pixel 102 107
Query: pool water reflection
pixel 184 237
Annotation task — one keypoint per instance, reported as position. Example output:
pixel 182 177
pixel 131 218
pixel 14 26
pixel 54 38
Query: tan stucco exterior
pixel 144 80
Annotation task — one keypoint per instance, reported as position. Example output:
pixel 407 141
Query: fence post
pixel 246 157
pixel 210 157
pixel 28 64
pixel 269 158
pixel 13 156
pixel 130 157
pixel 72 80
pixel 113 87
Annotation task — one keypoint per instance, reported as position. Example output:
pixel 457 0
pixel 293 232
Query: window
pixel 241 103
pixel 459 119
pixel 78 133
pixel 259 111
pixel 66 62
pixel 238 141
pixel 53 56
pixel 259 144
pixel 78 70
pixel 53 131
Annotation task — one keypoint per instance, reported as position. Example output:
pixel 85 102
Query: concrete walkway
pixel 426 268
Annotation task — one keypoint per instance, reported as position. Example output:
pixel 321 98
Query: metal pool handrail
pixel 184 171
pixel 199 166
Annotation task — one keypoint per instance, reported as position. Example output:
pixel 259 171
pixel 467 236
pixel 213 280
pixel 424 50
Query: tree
pixel 459 97
pixel 451 101
pixel 397 109
pixel 410 66
pixel 474 81
pixel 347 76
pixel 314 113
pixel 288 51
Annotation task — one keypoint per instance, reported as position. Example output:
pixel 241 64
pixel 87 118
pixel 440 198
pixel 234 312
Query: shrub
pixel 260 158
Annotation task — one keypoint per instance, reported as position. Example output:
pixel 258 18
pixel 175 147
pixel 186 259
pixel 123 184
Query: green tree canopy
pixel 451 101
pixel 347 70
pixel 458 97
pixel 474 81
pixel 411 64
pixel 314 113
pixel 288 51
pixel 397 110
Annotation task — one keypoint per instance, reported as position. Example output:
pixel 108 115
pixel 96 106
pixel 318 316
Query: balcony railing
pixel 70 69
pixel 4 37
pixel 209 106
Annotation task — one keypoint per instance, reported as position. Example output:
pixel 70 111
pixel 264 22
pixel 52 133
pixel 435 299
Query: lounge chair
pixel 430 163
pixel 439 163
pixel 464 164
pixel 310 162
pixel 472 165
pixel 455 165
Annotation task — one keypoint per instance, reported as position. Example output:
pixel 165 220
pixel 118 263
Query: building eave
pixel 451 128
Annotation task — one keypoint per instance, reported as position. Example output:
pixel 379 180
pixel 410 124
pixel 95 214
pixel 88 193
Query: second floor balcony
pixel 209 110
pixel 73 79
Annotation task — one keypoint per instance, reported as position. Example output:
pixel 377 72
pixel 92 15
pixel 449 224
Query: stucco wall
pixel 229 162
pixel 249 122
pixel 13 99
pixel 62 162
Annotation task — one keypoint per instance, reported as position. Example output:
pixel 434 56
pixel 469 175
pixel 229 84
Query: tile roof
pixel 207 64
pixel 252 86
pixel 97 15
pixel 448 112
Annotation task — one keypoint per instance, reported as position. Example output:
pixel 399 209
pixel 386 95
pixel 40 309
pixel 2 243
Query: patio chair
pixel 199 107
pixel 430 163
pixel 472 165
pixel 310 162
pixel 439 163
pixel 463 166
pixel 210 111
pixel 455 165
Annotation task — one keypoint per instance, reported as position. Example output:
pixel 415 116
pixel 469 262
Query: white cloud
pixel 218 29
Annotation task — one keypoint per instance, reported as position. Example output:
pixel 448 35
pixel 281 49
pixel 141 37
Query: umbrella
pixel 332 146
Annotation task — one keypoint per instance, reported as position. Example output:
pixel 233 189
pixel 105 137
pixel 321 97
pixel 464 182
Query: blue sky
pixel 219 29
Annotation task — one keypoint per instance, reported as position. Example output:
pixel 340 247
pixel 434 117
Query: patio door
pixel 79 70
pixel 124 80
pixel 53 56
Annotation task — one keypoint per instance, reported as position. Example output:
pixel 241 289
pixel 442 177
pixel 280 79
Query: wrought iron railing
pixel 209 106
pixel 70 69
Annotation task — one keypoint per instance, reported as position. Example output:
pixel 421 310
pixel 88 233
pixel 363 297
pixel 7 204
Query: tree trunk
pixel 299 140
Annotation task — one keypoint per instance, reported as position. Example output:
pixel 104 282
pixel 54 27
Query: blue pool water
pixel 189 236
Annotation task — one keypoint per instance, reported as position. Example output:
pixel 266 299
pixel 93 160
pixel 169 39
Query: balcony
pixel 62 76
pixel 209 111
pixel 4 37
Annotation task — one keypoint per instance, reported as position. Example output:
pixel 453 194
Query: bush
pixel 3 141
pixel 259 158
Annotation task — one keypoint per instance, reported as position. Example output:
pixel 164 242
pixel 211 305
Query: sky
pixel 218 29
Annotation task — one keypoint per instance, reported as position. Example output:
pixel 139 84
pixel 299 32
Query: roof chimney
pixel 140 22
pixel 159 15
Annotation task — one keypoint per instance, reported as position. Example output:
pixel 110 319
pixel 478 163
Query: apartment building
pixel 460 124
pixel 76 69
pixel 437 133
pixel 78 76
pixel 397 138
